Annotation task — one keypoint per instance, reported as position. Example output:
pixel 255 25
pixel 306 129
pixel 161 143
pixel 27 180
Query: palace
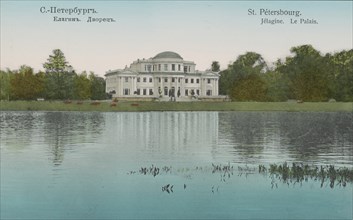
pixel 165 75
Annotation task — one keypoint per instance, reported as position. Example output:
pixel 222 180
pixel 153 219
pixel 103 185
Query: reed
pixel 299 172
pixel 285 173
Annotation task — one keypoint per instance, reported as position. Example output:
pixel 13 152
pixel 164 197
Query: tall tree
pixel 243 80
pixel 307 71
pixel 60 77
pixel 57 63
pixel 341 65
pixel 277 86
pixel 215 67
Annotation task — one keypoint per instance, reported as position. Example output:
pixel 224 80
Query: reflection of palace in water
pixel 168 131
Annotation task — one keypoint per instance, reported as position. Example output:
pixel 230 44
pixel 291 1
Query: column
pixel 216 87
pixel 162 87
pixel 176 87
pixel 133 83
pixel 120 89
pixel 155 86
pixel 203 87
pixel 182 87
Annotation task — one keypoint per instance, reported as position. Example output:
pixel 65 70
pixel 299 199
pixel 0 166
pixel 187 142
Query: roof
pixel 168 54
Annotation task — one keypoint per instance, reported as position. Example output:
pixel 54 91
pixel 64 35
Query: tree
pixel 5 84
pixel 25 85
pixel 277 86
pixel 249 88
pixel 341 65
pixel 308 73
pixel 225 81
pixel 215 67
pixel 97 87
pixel 82 86
pixel 239 74
pixel 57 63
pixel 59 77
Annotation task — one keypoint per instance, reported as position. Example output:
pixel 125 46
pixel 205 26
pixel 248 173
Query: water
pixel 75 165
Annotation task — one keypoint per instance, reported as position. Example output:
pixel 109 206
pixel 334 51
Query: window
pixel 166 79
pixel 198 92
pixel 166 91
pixel 138 79
pixel 148 68
pixel 150 80
pixel 173 67
pixel 151 92
pixel 165 67
pixel 209 92
pixel 186 92
pixel 178 80
pixel 185 69
pixel 144 92
pixel 186 80
pixel 159 79
pixel 138 92
pixel 173 79
pixel 126 91
pixel 179 67
pixel 192 80
pixel 126 79
pixel 208 81
pixel 159 67
pixel 144 79
pixel 189 68
pixel 197 80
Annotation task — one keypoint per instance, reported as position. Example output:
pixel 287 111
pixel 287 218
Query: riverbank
pixel 107 106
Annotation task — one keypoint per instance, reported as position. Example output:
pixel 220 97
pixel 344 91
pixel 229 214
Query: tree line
pixel 306 75
pixel 58 82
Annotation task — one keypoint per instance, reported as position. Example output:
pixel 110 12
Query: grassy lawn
pixel 175 106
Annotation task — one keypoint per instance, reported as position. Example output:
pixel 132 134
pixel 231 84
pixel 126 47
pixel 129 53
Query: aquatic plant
pixel 298 172
pixel 285 173
pixel 152 170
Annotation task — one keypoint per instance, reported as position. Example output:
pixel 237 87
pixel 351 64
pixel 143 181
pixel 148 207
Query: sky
pixel 200 31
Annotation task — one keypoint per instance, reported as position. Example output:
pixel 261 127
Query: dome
pixel 168 54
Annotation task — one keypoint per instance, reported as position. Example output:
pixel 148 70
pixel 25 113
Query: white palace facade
pixel 165 75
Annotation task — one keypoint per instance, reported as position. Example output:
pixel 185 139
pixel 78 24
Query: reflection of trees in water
pixel 301 136
pixel 245 131
pixel 311 135
pixel 65 130
pixel 17 128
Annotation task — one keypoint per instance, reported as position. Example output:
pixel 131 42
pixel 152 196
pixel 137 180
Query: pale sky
pixel 200 31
